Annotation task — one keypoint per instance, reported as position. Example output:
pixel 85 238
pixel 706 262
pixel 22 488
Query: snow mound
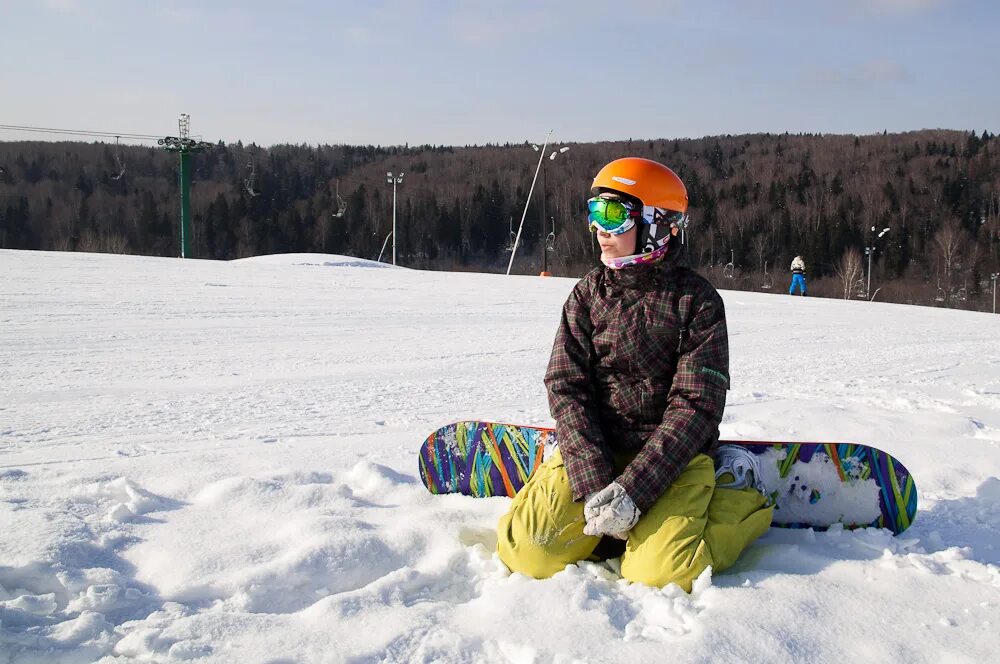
pixel 123 499
pixel 320 260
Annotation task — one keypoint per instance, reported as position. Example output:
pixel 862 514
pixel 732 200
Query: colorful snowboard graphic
pixel 814 485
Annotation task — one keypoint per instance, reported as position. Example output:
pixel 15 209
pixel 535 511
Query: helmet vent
pixel 618 178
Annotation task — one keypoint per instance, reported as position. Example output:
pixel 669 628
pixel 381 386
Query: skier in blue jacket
pixel 798 276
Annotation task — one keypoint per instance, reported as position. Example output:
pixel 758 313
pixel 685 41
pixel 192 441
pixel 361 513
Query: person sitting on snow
pixel 798 269
pixel 637 385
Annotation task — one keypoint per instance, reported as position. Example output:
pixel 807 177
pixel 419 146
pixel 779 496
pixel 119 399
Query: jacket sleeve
pixel 572 402
pixel 694 409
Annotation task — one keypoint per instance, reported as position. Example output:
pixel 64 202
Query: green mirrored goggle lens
pixel 611 216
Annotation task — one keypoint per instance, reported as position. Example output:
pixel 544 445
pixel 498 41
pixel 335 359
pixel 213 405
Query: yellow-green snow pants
pixel 691 526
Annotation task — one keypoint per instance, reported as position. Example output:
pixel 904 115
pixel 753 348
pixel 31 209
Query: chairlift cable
pixel 82 132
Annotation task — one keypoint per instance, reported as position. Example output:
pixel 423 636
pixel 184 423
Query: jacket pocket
pixel 661 348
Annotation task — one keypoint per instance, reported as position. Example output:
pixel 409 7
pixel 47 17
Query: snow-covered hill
pixel 217 461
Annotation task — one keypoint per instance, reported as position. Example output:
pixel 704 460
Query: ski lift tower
pixel 184 145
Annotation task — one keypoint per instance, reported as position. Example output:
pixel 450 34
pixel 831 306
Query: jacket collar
pixel 637 277
pixel 644 277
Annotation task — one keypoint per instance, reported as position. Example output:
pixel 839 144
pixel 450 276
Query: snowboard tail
pixel 812 485
pixel 482 459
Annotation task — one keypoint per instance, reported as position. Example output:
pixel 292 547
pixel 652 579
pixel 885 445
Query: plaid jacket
pixel 640 364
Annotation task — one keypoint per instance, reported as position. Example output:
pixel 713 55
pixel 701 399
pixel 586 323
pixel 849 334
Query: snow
pixel 857 501
pixel 217 462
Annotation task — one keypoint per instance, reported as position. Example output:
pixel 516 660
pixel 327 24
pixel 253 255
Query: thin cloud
pixel 882 71
pixel 480 23
pixel 358 35
pixel 195 16
pixel 872 73
pixel 64 6
pixel 180 15
pixel 901 6
pixel 143 98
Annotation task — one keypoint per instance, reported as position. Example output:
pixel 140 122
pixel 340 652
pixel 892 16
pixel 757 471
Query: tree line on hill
pixel 756 201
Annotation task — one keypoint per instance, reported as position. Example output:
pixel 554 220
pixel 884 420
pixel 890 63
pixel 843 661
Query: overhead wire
pixel 245 151
pixel 83 132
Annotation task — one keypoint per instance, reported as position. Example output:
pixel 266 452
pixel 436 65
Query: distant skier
pixel 798 276
pixel 637 385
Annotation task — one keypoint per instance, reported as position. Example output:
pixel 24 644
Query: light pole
pixel 871 250
pixel 394 180
pixel 545 249
pixel 994 278
pixel 520 227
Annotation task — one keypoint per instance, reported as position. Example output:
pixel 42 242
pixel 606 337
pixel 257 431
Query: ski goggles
pixel 611 215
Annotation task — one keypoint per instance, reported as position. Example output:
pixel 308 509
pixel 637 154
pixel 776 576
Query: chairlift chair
pixel 341 203
pixel 251 180
pixel 119 161
pixel 940 297
pixel 729 271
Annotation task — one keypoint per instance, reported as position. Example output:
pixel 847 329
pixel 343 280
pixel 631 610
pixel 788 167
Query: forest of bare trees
pixel 756 201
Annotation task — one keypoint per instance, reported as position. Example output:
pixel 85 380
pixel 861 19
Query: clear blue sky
pixel 471 72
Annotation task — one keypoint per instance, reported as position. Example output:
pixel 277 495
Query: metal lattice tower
pixel 184 145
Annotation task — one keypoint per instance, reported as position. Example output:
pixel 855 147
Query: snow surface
pixel 217 462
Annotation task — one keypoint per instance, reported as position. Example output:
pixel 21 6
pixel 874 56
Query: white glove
pixel 610 512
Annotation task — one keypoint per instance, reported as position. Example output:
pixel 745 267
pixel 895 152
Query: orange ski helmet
pixel 662 196
pixel 649 181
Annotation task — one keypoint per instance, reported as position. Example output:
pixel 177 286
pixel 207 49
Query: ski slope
pixel 217 462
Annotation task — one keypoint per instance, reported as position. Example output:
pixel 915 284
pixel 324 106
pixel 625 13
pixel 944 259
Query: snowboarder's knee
pixel 543 531
pixel 540 547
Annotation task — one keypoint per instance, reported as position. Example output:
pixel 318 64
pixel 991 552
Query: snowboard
pixel 812 485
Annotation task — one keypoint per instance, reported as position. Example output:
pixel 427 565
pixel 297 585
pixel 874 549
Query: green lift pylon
pixel 184 145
